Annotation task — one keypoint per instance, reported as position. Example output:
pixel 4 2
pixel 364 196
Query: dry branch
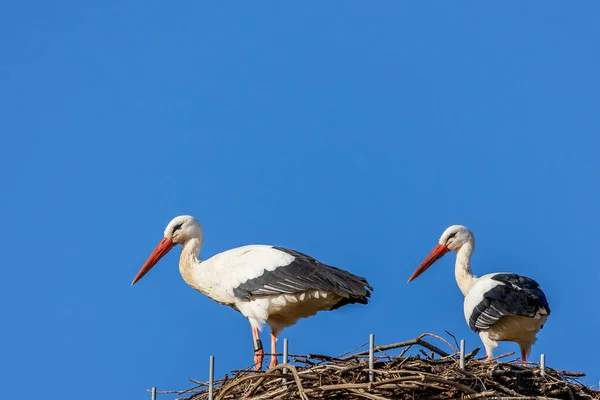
pixel 319 376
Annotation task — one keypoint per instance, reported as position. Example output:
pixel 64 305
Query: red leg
pixel 488 353
pixel 273 350
pixel 524 355
pixel 259 353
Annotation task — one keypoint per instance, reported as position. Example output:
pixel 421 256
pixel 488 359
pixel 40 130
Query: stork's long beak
pixel 437 253
pixel 163 248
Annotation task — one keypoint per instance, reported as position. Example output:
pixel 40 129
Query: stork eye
pixel 451 236
pixel 176 228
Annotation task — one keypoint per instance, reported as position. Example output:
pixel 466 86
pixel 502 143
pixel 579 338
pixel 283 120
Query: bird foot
pixel 259 355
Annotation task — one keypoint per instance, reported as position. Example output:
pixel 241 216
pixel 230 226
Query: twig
pixel 453 337
pixel 502 356
pixel 367 395
pixel 322 357
pixel 568 373
pixel 319 377
pixel 478 396
pixel 417 340
pixel 439 338
pixel 503 388
pixel 341 356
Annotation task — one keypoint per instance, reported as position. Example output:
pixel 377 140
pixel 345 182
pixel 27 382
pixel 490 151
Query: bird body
pixel 506 307
pixel 498 306
pixel 266 284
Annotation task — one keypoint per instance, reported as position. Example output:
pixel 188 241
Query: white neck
pixel 189 259
pixel 462 269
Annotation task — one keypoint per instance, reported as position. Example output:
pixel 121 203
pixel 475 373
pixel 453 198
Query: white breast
pixel 480 287
pixel 223 272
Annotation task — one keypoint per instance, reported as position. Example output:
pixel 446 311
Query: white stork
pixel 499 306
pixel 267 284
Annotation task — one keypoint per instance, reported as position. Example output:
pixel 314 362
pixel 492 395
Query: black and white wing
pixel 499 295
pixel 300 273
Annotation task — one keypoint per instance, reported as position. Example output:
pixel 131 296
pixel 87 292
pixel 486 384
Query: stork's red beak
pixel 163 248
pixel 437 253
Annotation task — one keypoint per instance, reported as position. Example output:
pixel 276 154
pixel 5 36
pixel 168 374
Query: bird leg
pixel 259 353
pixel 273 350
pixel 524 355
pixel 488 353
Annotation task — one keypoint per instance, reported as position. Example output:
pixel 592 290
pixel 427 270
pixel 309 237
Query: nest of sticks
pixel 420 371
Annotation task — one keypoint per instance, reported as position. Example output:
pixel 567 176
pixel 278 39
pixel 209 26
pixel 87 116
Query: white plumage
pixel 267 284
pixel 476 293
pixel 499 306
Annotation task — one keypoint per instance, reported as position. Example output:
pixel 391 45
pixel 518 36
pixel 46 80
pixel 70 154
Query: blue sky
pixel 353 132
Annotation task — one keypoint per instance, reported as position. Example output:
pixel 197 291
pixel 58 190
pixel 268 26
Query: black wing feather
pixel 517 295
pixel 305 273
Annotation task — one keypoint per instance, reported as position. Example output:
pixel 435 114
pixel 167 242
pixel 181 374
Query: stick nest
pixel 431 373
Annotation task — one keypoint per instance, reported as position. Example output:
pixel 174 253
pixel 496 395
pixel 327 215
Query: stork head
pixel 183 228
pixel 453 238
pixel 178 231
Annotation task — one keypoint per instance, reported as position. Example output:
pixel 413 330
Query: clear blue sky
pixel 353 132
